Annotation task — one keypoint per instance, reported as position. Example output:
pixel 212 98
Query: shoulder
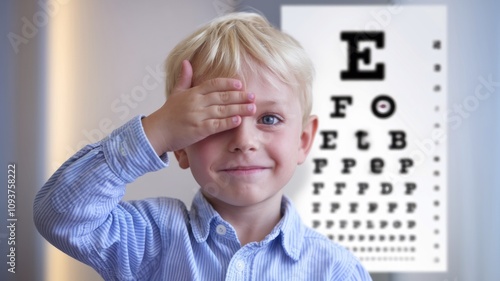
pixel 318 256
pixel 341 263
pixel 162 210
pixel 318 243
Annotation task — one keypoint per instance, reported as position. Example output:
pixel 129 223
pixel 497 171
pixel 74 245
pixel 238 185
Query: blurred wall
pixel 23 130
pixel 7 145
pixel 96 64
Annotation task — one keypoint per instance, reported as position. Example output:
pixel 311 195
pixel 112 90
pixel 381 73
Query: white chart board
pixel 378 166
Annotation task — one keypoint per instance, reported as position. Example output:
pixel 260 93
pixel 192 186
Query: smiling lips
pixel 244 170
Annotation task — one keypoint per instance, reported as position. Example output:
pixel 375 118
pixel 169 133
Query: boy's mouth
pixel 244 170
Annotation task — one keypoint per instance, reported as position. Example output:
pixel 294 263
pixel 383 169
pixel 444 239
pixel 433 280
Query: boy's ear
pixel 307 138
pixel 182 158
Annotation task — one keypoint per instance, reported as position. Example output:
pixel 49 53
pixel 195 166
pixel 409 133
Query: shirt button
pixel 221 230
pixel 240 265
pixel 123 149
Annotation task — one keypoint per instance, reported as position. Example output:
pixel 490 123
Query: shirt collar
pixel 200 217
pixel 291 230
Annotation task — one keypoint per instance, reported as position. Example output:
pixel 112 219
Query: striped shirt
pixel 80 211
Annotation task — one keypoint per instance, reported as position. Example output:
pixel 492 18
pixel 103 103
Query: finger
pixel 219 85
pixel 215 126
pixel 228 97
pixel 184 80
pixel 226 111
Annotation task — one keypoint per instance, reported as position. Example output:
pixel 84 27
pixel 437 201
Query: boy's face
pixel 251 164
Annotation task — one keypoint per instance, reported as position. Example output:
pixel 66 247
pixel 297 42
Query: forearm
pixel 87 188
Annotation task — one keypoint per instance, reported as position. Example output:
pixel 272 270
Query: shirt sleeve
pixel 79 209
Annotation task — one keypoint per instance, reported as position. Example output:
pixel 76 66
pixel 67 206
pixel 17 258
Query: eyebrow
pixel 270 102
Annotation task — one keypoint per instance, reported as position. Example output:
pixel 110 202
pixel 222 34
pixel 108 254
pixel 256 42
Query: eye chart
pixel 377 170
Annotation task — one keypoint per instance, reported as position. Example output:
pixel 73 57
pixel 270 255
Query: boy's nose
pixel 244 138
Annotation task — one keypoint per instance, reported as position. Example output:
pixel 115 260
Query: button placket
pixel 240 265
pixel 123 149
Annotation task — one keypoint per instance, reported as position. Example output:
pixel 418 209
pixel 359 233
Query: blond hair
pixel 230 44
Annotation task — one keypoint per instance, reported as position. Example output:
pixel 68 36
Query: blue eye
pixel 270 120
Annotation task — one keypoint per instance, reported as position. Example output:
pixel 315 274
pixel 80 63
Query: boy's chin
pixel 241 199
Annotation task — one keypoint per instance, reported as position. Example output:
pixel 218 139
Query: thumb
pixel 185 77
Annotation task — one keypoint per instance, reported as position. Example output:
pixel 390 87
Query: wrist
pixel 154 134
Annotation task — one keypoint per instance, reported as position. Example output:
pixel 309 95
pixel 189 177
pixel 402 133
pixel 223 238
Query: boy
pixel 241 137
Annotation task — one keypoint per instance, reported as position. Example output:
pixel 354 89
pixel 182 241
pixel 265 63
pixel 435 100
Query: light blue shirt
pixel 79 210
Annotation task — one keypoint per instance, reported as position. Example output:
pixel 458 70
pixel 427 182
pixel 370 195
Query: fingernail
pixel 250 107
pixel 251 96
pixel 235 119
pixel 237 84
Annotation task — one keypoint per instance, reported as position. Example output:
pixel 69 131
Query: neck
pixel 252 223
